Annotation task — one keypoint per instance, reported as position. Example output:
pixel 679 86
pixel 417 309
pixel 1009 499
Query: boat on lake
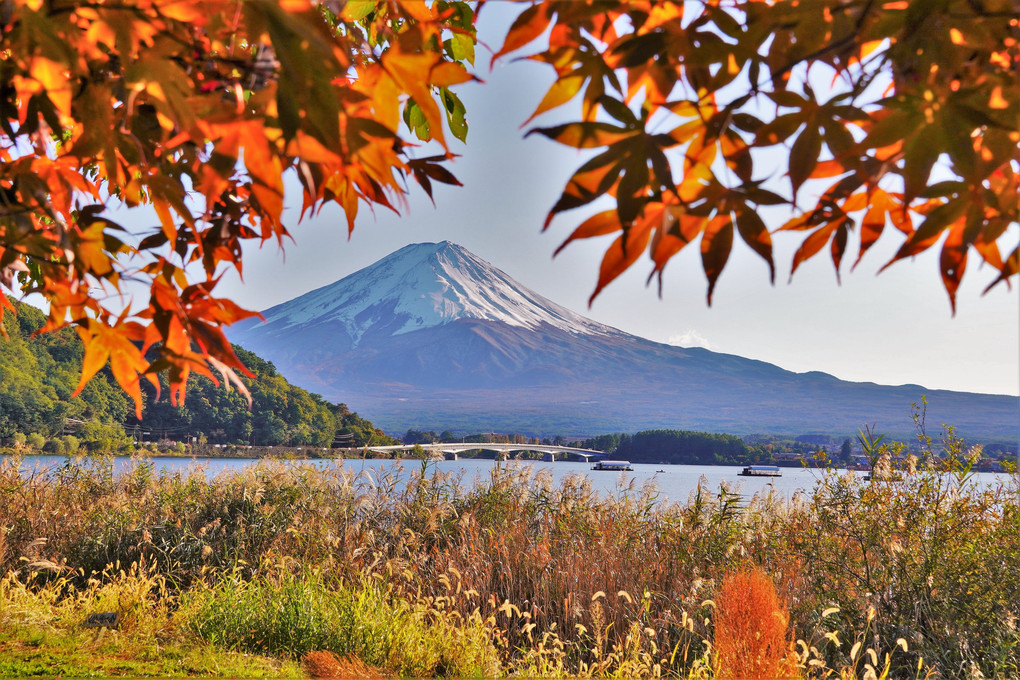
pixel 613 465
pixel 761 471
pixel 883 477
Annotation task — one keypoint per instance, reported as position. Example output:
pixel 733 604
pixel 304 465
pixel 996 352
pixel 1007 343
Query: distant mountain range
pixel 433 337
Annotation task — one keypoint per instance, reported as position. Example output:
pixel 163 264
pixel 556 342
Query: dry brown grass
pixel 751 629
pixel 530 557
pixel 323 664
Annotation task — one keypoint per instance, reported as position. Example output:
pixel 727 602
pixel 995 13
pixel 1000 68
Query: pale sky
pixel 892 328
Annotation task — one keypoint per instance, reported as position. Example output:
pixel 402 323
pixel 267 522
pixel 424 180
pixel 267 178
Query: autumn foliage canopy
pixel 901 114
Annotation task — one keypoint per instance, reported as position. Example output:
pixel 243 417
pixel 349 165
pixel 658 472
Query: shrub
pixel 35 441
pixel 101 437
pixel 751 629
pixel 54 446
pixel 935 558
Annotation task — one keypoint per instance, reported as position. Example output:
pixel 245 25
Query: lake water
pixel 674 482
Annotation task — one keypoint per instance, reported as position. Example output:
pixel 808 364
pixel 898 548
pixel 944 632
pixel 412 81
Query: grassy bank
pixel 255 571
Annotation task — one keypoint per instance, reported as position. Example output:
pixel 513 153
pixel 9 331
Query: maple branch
pixel 830 48
pixel 55 10
pixel 979 10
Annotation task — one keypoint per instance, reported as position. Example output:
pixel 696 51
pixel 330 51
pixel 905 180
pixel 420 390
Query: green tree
pixel 681 446
pixel 420 437
pixel 846 452
pixel 102 438
pixel 71 444
pixel 37 378
pixel 603 442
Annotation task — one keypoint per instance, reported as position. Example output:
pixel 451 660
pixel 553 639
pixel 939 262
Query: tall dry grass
pixel 565 579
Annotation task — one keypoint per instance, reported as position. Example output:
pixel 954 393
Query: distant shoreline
pixel 269 453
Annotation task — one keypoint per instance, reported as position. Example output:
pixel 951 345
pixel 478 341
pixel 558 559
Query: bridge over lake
pixel 451 449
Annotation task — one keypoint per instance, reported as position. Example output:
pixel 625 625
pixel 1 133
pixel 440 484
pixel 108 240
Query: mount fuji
pixel 433 337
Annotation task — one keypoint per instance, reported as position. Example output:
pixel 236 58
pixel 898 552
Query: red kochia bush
pixel 751 629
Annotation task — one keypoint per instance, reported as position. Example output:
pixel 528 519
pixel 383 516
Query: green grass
pixel 41 636
pixel 289 615
pixel 26 651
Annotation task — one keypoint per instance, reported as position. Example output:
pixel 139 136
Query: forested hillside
pixel 281 414
pixel 681 447
pixel 39 373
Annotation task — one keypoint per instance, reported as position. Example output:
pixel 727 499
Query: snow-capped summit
pixel 424 285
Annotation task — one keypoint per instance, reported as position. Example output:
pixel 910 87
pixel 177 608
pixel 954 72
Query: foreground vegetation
pixel 422 573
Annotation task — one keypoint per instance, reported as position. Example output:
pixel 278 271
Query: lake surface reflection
pixel 673 482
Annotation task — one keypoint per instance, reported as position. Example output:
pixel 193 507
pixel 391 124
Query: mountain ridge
pixel 433 337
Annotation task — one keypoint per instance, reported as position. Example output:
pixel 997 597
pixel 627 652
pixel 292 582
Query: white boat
pixel 613 465
pixel 761 471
